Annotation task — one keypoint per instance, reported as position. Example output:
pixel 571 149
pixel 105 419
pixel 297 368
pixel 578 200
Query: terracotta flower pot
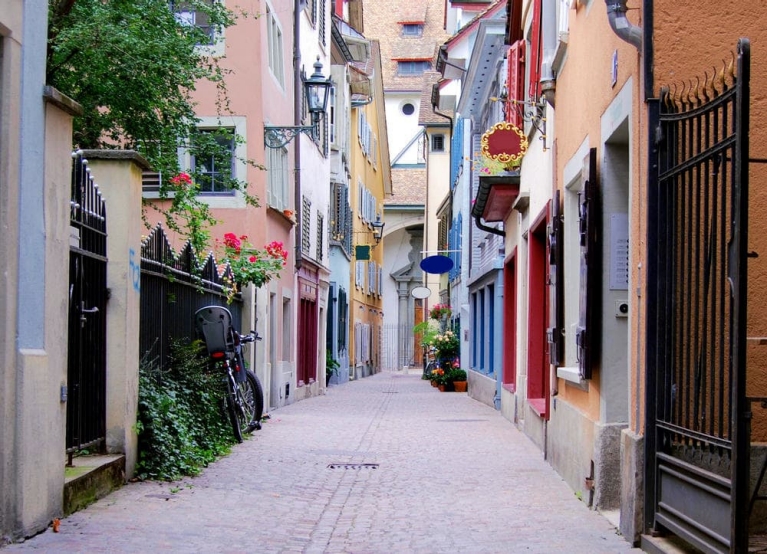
pixel 434 384
pixel 460 386
pixel 441 388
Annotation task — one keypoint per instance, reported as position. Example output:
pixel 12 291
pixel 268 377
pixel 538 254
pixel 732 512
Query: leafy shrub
pixel 181 423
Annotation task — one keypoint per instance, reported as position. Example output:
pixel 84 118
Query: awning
pixel 496 196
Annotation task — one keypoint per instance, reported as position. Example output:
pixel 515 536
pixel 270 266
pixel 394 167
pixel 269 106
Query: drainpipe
pixel 297 97
pixel 549 28
pixel 616 14
pixel 483 227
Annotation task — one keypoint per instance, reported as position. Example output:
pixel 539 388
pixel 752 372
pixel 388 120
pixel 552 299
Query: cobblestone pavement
pixel 452 475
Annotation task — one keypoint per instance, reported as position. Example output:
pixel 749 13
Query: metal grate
pixel 352 466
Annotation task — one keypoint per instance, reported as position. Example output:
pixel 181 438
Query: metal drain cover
pixel 352 466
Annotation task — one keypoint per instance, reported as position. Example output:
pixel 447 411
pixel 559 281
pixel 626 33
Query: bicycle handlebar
pixel 250 337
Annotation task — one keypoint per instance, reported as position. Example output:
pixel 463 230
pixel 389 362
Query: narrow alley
pixel 385 464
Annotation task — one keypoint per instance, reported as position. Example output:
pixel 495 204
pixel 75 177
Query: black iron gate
pixel 86 373
pixel 697 470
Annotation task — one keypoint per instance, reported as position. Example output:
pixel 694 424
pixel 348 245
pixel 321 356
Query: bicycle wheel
pixel 252 397
pixel 233 409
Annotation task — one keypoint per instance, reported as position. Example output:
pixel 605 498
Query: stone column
pixel 118 174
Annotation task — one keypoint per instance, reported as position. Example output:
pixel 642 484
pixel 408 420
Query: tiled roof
pixel 408 187
pixel 413 11
pixel 426 116
pixel 383 22
pixel 407 49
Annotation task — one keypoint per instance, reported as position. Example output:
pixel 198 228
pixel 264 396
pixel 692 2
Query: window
pixel 340 217
pixel 277 178
pixel 371 276
pixel 408 108
pixel 412 29
pixel 332 115
pixel 306 222
pixel 213 160
pixel 438 143
pixel 320 236
pixel 322 26
pixel 274 39
pixel 187 15
pixel 413 68
pixel 359 274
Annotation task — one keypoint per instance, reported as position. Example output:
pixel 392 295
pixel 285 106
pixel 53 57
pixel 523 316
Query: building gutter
pixel 616 15
pixel 297 208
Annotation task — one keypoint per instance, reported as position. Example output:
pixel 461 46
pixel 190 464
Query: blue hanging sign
pixel 437 264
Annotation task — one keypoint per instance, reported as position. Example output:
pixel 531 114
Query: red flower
pixel 231 241
pixel 252 259
pixel 181 179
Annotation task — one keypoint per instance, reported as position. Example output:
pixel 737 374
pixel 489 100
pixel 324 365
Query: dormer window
pixel 412 29
pixel 411 68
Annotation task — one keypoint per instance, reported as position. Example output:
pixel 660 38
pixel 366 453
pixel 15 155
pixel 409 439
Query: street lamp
pixel 378 226
pixel 316 89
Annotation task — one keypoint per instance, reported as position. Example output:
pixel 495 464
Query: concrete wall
pixel 11 45
pixel 118 174
pixel 35 148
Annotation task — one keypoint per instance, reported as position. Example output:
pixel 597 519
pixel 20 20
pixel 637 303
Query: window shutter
pixel 331 328
pixel 516 84
pixel 536 48
pixel 342 320
pixel 587 334
pixel 556 284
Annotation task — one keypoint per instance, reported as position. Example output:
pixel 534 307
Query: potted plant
pixel 448 346
pixel 440 311
pixel 458 377
pixel 331 367
pixel 440 377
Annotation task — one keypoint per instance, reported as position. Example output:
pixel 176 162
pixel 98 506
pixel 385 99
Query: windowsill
pixel 573 376
pixel 510 387
pixel 281 215
pixel 539 406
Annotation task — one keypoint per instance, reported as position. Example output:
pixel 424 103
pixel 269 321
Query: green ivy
pixel 181 426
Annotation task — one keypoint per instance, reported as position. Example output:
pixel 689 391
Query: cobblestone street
pixel 385 464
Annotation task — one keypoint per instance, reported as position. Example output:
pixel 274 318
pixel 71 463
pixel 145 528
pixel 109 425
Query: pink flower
pixel 231 241
pixel 181 179
pixel 252 259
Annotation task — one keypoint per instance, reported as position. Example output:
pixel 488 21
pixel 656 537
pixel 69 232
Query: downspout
pixel 647 18
pixel 297 98
pixel 616 14
pixel 483 227
pixel 549 28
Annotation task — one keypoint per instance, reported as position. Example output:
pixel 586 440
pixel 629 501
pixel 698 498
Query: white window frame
pixel 278 178
pixel 217 48
pixel 275 53
pixel 240 171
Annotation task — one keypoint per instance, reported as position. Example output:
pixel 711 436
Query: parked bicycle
pixel 244 399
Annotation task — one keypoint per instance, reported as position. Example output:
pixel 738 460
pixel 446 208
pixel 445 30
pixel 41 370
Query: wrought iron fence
pixel 173 287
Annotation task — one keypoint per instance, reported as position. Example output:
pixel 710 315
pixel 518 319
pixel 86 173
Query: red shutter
pixel 516 82
pixel 587 333
pixel 536 47
pixel 556 282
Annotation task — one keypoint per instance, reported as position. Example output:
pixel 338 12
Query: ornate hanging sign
pixel 504 143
